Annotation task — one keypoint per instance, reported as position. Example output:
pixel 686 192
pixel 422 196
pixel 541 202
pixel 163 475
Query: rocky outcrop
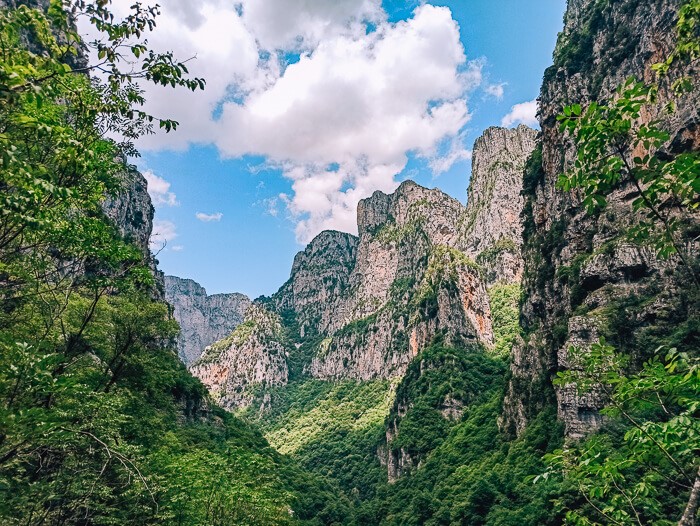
pixel 491 227
pixel 410 284
pixel 203 319
pixel 130 208
pixel 364 307
pixel 582 279
pixel 319 279
pixel 252 357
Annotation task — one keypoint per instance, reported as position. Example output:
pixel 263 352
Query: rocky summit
pixel 364 307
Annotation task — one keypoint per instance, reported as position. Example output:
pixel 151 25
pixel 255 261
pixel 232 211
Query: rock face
pixel 320 277
pixel 203 319
pixel 582 279
pixel 131 209
pixel 364 307
pixel 409 284
pixel 491 228
pixel 252 356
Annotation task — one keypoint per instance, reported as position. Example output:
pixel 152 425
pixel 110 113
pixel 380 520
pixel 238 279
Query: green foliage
pixel 504 302
pixel 615 146
pixel 473 475
pixel 439 379
pixel 636 472
pixel 332 429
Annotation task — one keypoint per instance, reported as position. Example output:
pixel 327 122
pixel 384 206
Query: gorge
pixel 528 357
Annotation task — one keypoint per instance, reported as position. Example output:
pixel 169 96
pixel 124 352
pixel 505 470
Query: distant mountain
pixel 203 319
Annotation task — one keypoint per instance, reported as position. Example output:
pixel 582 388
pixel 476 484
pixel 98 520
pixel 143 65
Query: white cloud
pixel 361 103
pixel 359 99
pixel 159 190
pixel 163 232
pixel 177 248
pixel 302 24
pixel 496 90
pixel 456 152
pixel 208 218
pixel 523 113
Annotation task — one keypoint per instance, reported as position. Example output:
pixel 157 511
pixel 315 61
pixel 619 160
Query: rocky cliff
pixel 203 319
pixel 491 228
pixel 582 278
pixel 130 208
pixel 364 307
pixel 251 358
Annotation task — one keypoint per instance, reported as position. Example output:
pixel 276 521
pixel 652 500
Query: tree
pixel 633 478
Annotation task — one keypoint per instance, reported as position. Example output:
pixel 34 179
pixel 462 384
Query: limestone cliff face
pixel 364 307
pixel 491 229
pixel 582 279
pixel 410 283
pixel 320 277
pixel 131 209
pixel 203 319
pixel 252 357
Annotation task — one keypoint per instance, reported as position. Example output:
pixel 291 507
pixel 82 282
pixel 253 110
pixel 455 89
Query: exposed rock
pixel 363 307
pixel 131 209
pixel 409 284
pixel 253 356
pixel 319 279
pixel 203 319
pixel 491 228
pixel 577 264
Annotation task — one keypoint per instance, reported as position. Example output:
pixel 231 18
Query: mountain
pixel 362 308
pixel 584 278
pixel 203 319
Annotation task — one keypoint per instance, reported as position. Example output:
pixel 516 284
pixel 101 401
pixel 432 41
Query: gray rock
pixel 253 356
pixel 610 269
pixel 203 319
pixel 491 227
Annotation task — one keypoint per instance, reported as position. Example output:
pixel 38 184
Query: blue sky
pixel 260 195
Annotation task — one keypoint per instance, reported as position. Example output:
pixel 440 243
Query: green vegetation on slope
pixel 468 472
pixel 100 423
pixel 331 429
pixel 504 302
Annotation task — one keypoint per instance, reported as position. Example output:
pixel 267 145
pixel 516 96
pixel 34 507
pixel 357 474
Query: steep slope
pixel 252 356
pixel 363 307
pixel 491 229
pixel 583 279
pixel 203 319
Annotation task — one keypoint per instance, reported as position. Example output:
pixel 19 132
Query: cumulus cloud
pixel 363 94
pixel 209 218
pixel 302 24
pixel 163 232
pixel 159 190
pixel 360 103
pixel 523 113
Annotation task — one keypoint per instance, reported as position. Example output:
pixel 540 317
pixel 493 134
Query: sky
pixel 312 105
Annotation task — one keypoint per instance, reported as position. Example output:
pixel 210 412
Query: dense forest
pixel 101 423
